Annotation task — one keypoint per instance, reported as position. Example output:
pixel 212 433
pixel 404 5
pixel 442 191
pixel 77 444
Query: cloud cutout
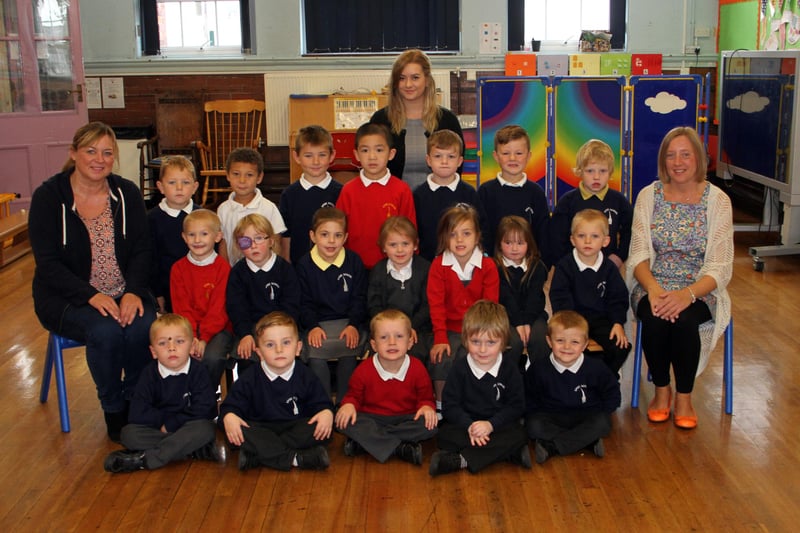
pixel 749 102
pixel 665 103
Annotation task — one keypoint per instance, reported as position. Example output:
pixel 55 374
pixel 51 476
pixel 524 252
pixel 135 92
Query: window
pixel 195 26
pixel 370 26
pixel 558 23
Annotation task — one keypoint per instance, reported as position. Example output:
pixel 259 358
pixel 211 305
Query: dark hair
pixel 516 224
pixel 509 133
pixel 328 214
pixel 245 155
pixel 444 140
pixel 369 128
pixel 453 217
pixel 313 135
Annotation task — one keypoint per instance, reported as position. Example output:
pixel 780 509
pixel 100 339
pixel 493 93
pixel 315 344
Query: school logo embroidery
pixel 343 277
pixel 497 386
pixel 208 287
pixel 582 390
pixel 391 209
pixel 271 288
pixel 610 213
pixel 293 400
pixel 327 204
pixel 529 213
pixel 601 289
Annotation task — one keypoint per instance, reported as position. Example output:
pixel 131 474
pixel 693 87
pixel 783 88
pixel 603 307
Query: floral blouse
pixel 106 275
pixel 680 235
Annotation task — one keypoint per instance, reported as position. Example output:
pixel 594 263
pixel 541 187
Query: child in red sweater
pixel 375 195
pixel 459 276
pixel 198 283
pixel 388 407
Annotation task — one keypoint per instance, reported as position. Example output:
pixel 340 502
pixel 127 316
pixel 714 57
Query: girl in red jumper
pixel 459 276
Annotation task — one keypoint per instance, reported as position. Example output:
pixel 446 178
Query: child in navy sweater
pixel 589 283
pixel 313 151
pixel 173 406
pixel 522 279
pixel 595 165
pixel 400 282
pixel 277 412
pixel 333 310
pixel 483 399
pixel 442 189
pixel 259 283
pixel 569 397
pixel 177 181
pixel 512 193
pixel 389 406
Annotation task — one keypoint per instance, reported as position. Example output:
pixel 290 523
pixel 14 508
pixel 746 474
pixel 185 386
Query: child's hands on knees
pixel 350 336
pixel 324 422
pixel 429 414
pixel 618 335
pixel 233 428
pixel 316 336
pixel 479 432
pixel 438 352
pixel 246 347
pixel 346 415
pixel 524 331
pixel 198 348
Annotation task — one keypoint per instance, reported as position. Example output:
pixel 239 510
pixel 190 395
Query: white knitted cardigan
pixel 718 261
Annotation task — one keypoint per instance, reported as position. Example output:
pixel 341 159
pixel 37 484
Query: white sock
pixel 463 461
pixel 438 405
pixel 294 460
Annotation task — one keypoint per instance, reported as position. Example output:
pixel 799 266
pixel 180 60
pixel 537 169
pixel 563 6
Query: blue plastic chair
pixel 56 344
pixel 727 368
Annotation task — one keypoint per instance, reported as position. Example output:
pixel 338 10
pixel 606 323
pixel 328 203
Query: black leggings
pixel 676 343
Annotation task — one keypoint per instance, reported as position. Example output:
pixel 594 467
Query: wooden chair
pixel 344 143
pixel 727 366
pixel 178 124
pixel 229 124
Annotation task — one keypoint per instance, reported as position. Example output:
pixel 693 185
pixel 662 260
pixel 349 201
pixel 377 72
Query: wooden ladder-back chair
pixel 229 124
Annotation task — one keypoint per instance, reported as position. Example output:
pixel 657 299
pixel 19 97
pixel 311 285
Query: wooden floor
pixel 739 472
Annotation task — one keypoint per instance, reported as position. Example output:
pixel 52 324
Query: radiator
pixel 278 85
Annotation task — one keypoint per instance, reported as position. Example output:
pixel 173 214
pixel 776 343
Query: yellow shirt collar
pixel 322 263
pixel 586 193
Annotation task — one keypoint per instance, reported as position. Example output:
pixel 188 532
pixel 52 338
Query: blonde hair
pixel 203 216
pixel 445 140
pixel 170 319
pixel 387 315
pixel 453 217
pixel 697 147
pixel 87 135
pixel 567 320
pixel 275 319
pixel 509 133
pixel 397 224
pixel 176 162
pixel 593 150
pixel 396 108
pixel 589 216
pixel 486 316
pixel 516 225
pixel 260 223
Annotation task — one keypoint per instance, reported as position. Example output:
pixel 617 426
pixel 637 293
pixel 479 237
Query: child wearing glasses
pixel 262 282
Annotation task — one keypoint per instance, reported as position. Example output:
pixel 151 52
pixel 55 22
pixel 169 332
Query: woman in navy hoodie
pixel 88 230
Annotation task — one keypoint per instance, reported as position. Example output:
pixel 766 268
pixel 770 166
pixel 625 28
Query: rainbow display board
pixel 521 101
pixel 586 108
pixel 658 105
pixel 631 114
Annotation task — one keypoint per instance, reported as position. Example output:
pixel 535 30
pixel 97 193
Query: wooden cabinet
pixel 339 112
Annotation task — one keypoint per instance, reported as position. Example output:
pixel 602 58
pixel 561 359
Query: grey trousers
pixel 161 448
pixel 380 435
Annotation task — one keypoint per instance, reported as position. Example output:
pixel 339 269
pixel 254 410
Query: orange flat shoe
pixel 685 422
pixel 659 415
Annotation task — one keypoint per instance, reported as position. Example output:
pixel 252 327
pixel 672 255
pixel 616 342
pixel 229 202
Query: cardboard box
pixel 615 64
pixel 520 64
pixel 645 64
pixel 584 65
pixel 552 65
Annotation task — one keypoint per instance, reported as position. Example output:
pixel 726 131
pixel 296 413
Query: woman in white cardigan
pixel 680 262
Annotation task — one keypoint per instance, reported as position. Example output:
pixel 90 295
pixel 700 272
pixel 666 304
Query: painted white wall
pixel 110 38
